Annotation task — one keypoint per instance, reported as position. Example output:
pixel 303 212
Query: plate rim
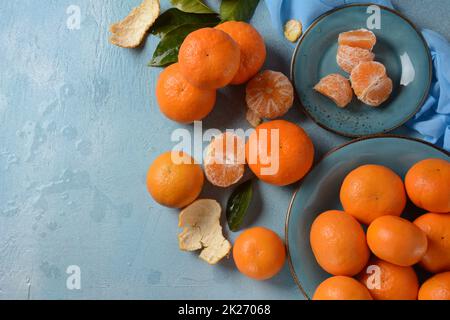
pixel 298 188
pixel 326 14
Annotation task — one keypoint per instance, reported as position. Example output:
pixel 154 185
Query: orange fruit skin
pixel 436 288
pixel 259 253
pixel 349 57
pixel 179 100
pixel 396 283
pixel 253 49
pixel 295 149
pixel 341 288
pixel 437 228
pixel 428 185
pixel 174 185
pixel 270 94
pixel 337 88
pixel 372 191
pixel 361 38
pixel 339 243
pixel 396 240
pixel 209 58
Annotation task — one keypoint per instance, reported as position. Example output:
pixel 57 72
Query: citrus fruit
pixel 174 180
pixel 253 49
pixel 372 191
pixel 387 281
pixel 209 58
pixel 361 38
pixel 259 253
pixel 396 240
pixel 337 88
pixel 437 228
pixel 341 288
pixel 428 185
pixel 225 160
pixel 436 288
pixel 270 94
pixel 349 57
pixel 279 152
pixel 371 83
pixel 339 243
pixel 179 100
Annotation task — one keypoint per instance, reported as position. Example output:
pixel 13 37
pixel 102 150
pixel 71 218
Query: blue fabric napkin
pixel 432 122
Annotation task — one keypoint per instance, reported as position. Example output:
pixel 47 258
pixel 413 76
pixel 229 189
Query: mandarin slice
pixel 361 38
pixel 337 88
pixel 225 160
pixel 371 83
pixel 349 57
pixel 270 94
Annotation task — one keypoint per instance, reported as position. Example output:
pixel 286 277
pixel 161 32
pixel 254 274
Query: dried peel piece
pixel 130 32
pixel 202 231
pixel 293 29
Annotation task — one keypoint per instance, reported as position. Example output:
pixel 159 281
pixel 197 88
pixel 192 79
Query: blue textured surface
pixel 79 128
pixel 319 192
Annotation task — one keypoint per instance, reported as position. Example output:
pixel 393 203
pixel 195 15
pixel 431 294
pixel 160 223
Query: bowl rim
pixel 296 192
pixel 311 27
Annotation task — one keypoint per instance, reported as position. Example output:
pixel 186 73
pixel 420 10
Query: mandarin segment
pixel 270 94
pixel 341 288
pixel 179 100
pixel 349 57
pixel 361 38
pixel 225 160
pixel 251 44
pixel 339 243
pixel 337 88
pixel 209 58
pixel 371 83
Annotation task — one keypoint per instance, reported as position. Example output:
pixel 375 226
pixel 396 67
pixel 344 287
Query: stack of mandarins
pixel 278 152
pixel 375 196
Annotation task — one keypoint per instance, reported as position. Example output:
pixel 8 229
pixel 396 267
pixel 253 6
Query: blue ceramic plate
pixel 319 192
pixel 400 47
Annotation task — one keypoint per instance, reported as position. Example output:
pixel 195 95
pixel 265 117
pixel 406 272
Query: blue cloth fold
pixel 432 122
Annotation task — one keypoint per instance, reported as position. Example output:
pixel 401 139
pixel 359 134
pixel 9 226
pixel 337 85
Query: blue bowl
pixel 400 47
pixel 319 192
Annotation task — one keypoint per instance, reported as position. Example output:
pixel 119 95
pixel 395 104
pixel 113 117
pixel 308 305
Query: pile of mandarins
pixel 382 261
pixel 209 59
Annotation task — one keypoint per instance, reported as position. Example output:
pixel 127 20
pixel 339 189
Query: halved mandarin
pixel 349 57
pixel 371 83
pixel 337 88
pixel 361 38
pixel 270 94
pixel 225 160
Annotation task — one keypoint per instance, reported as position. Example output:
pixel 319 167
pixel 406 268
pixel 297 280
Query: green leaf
pixel 192 6
pixel 238 205
pixel 166 52
pixel 238 10
pixel 174 18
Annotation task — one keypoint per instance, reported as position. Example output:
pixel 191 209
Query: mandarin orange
pixel 209 58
